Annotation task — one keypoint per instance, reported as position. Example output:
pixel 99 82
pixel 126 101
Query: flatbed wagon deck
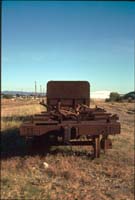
pixel 69 117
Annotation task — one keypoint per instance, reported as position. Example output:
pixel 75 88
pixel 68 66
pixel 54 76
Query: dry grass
pixel 71 173
pixel 14 113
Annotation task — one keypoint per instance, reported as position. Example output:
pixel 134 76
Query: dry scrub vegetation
pixel 71 174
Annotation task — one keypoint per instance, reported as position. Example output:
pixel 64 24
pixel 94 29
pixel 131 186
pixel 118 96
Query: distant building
pixel 100 94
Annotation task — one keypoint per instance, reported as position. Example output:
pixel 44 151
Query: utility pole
pixel 21 92
pixel 43 92
pixel 35 89
pixel 40 91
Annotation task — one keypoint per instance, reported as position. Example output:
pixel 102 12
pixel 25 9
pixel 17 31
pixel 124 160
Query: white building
pixel 100 94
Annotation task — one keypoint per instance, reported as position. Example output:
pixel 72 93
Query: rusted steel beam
pixel 100 117
pixel 66 112
pixel 101 113
pixel 42 118
pixel 96 146
pixel 42 114
pixel 45 122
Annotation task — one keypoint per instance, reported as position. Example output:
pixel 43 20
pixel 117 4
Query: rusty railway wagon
pixel 69 119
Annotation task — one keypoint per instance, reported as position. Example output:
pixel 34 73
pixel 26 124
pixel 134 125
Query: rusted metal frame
pixel 96 112
pixel 101 117
pixel 91 122
pixel 40 118
pixel 42 114
pixel 41 126
pixel 96 146
pixel 66 113
pixel 105 136
pixel 67 101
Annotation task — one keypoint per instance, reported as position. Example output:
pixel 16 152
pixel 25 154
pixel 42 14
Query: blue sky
pixel 45 41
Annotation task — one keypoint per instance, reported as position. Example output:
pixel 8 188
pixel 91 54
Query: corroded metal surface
pixel 68 92
pixel 69 117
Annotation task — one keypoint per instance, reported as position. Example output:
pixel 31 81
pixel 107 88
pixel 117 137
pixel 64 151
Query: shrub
pixel 107 100
pixel 114 96
pixel 7 96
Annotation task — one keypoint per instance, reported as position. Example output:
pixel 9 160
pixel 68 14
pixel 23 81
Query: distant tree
pixel 114 96
pixel 129 96
pixel 107 100
pixel 7 96
pixel 17 95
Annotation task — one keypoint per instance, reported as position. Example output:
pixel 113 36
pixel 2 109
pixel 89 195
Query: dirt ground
pixel 71 173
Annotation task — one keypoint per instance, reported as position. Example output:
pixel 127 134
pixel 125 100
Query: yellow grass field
pixel 71 174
